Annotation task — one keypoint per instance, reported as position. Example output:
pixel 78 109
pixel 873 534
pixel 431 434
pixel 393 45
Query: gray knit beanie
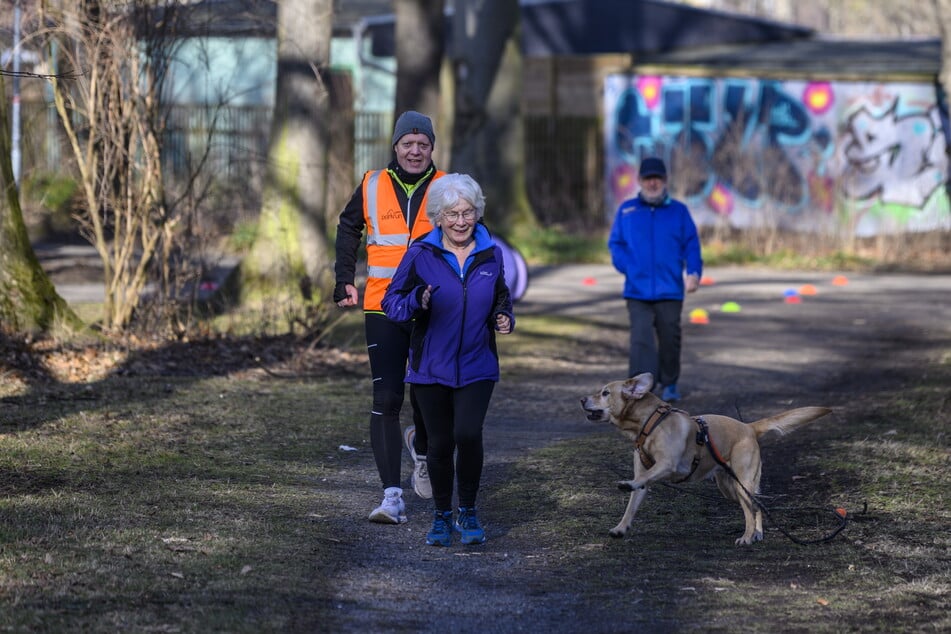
pixel 412 122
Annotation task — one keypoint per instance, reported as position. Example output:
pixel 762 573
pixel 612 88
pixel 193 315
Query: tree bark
pixel 29 303
pixel 942 11
pixel 420 46
pixel 488 133
pixel 289 264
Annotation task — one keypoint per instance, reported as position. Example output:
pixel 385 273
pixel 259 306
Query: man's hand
pixel 352 298
pixel 692 282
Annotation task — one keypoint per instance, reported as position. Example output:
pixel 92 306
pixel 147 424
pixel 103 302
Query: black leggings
pixel 388 347
pixel 454 418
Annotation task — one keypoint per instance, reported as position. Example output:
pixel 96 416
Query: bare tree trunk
pixel 942 9
pixel 29 302
pixel 488 134
pixel 420 46
pixel 289 265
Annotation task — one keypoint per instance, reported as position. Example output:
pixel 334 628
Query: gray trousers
pixel 655 339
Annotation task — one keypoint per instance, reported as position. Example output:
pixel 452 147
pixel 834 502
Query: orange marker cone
pixel 840 280
pixel 699 316
pixel 807 289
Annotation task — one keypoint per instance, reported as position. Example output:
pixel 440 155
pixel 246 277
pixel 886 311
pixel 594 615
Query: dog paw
pixel 617 533
pixel 747 540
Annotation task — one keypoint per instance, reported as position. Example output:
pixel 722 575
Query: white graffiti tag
pixel 896 158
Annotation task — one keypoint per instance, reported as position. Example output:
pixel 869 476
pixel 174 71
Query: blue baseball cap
pixel 653 167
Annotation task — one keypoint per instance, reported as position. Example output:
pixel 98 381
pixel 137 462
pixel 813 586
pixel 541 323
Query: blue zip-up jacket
pixel 453 342
pixel 652 245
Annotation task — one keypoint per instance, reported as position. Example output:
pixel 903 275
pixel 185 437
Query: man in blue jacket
pixel 654 243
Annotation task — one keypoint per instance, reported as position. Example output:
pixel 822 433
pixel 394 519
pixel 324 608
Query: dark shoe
pixel 670 393
pixel 441 532
pixel 470 530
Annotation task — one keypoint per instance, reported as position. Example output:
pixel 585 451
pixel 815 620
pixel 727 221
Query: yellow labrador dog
pixel 672 445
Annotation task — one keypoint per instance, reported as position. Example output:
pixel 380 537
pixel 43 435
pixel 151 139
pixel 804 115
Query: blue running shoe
pixel 670 393
pixel 468 526
pixel 441 532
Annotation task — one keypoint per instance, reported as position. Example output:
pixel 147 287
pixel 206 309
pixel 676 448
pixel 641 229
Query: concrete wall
pixel 854 158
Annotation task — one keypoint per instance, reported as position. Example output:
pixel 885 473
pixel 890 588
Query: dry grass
pixel 203 487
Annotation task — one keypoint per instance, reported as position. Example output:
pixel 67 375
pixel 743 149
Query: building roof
pixel 258 18
pixel 588 27
pixel 654 33
pixel 815 57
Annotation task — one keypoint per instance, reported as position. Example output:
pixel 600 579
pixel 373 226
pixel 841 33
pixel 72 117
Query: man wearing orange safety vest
pixel 390 205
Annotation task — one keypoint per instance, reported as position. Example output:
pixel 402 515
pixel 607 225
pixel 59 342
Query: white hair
pixel 446 192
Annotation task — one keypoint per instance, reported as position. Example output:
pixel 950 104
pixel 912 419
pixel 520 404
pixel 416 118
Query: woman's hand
pixel 503 324
pixel 426 296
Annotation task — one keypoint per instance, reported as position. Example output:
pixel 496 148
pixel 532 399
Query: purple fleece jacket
pixel 453 342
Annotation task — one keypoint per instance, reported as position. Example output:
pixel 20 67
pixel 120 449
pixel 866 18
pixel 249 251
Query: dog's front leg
pixel 637 496
pixel 638 489
pixel 643 478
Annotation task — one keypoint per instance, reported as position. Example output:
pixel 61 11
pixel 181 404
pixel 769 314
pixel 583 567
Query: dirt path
pixel 873 333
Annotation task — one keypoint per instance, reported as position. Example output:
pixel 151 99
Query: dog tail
pixel 788 421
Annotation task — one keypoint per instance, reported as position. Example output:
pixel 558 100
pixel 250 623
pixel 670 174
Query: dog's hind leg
pixel 747 485
pixel 753 518
pixel 725 485
pixel 633 502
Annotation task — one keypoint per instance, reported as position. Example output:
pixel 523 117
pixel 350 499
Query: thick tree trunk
pixel 942 10
pixel 488 133
pixel 290 260
pixel 420 45
pixel 29 302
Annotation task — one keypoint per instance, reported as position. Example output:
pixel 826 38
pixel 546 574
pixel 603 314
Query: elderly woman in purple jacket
pixel 451 284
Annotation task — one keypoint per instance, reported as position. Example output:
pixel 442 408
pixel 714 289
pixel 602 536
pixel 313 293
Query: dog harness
pixel 702 439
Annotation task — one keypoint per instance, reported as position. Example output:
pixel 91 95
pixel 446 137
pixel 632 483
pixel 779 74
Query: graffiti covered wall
pixel 859 158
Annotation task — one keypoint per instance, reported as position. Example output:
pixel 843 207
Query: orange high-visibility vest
pixel 388 235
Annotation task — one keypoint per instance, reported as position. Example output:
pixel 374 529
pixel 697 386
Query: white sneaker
pixel 392 510
pixel 420 476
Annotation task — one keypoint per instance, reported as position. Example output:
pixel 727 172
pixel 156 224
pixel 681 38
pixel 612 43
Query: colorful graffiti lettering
pixel 794 151
pixel 892 156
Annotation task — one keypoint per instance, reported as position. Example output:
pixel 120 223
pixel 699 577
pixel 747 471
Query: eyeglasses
pixel 453 216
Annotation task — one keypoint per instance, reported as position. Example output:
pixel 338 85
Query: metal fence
pixel 231 140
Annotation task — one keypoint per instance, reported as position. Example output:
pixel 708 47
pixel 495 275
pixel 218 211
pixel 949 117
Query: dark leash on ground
pixel 842 516
pixel 841 513
pixel 703 440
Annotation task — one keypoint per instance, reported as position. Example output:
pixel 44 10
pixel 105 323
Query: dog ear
pixel 636 387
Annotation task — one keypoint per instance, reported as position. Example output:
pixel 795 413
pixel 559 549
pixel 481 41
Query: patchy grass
pixel 890 570
pixel 779 249
pixel 145 499
pixel 165 503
